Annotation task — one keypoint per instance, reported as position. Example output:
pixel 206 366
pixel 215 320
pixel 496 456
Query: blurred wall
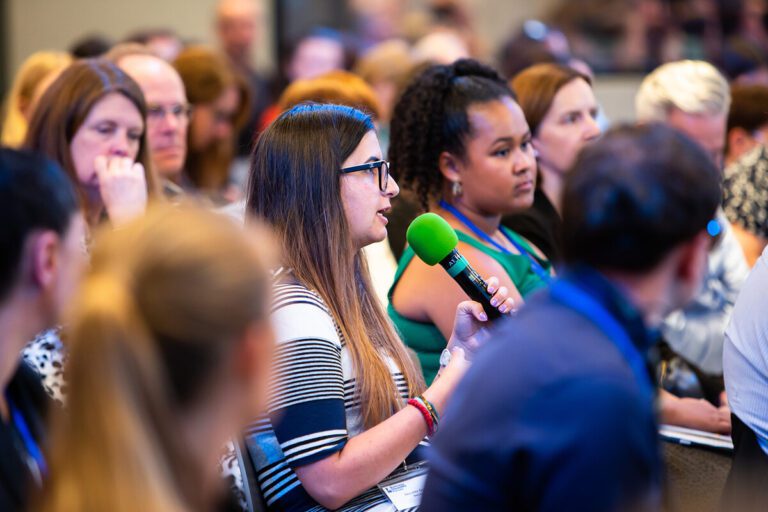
pixel 55 24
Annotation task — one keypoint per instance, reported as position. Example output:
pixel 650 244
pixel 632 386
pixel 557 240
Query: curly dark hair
pixel 431 117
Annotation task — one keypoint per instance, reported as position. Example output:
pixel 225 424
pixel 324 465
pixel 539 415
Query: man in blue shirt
pixel 557 412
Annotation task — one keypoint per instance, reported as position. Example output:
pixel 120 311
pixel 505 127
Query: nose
pixel 392 188
pixel 223 130
pixel 121 145
pixel 591 128
pixel 525 160
pixel 170 121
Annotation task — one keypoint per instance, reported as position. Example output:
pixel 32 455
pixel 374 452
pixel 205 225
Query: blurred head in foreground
pixel 640 201
pixel 169 344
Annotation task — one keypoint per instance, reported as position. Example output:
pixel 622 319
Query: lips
pixel 169 149
pixel 526 186
pixel 383 214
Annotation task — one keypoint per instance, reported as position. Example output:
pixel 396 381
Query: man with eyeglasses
pixel 167 114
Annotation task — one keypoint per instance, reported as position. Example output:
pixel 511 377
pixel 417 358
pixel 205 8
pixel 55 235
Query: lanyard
pixel 583 303
pixel 33 450
pixel 535 266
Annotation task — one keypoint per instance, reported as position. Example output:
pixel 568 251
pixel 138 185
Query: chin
pixel 373 238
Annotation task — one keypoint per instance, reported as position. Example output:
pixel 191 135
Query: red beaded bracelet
pixel 427 416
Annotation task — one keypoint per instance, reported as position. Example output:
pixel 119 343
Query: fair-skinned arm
pixel 694 413
pixel 368 458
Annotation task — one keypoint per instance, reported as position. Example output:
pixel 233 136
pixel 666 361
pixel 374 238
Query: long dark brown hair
pixel 66 104
pixel 295 186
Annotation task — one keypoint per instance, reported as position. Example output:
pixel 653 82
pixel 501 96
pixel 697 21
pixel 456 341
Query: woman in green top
pixel 461 144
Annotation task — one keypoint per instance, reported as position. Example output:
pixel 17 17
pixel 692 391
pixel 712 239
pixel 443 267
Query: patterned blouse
pixel 745 192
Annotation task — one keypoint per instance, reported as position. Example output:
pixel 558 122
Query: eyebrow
pixel 372 159
pixel 526 135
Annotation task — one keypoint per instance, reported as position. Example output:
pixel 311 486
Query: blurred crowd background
pixel 618 39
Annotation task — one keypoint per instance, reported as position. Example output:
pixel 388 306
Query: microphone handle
pixel 470 281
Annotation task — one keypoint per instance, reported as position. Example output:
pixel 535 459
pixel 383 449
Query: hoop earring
pixel 456 189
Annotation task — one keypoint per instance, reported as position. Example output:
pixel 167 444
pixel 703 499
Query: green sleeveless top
pixel 423 337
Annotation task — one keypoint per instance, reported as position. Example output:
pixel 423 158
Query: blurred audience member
pixel 746 374
pixel 387 68
pixel 561 111
pixel 461 144
pixel 378 21
pixel 747 125
pixel 658 31
pixel 745 54
pixel 694 98
pixel 169 346
pixel 43 240
pixel 163 42
pixel 339 87
pixel 220 103
pixel 238 27
pixel 91 121
pixel 745 188
pixel 19 103
pixel 90 46
pixel 558 413
pixel 167 114
pixel 535 43
pixel 440 47
pixel 319 52
pixel 338 423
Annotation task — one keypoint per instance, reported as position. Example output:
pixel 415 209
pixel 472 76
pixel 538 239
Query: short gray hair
pixel 693 86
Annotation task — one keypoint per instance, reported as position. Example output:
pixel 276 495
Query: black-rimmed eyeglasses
pixel 382 166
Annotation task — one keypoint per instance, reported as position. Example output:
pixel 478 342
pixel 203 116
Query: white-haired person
pixel 694 98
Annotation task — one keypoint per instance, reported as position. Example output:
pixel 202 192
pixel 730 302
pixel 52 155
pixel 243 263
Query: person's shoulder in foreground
pixel 571 420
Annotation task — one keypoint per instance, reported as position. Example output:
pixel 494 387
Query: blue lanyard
pixel 33 450
pixel 583 303
pixel 535 266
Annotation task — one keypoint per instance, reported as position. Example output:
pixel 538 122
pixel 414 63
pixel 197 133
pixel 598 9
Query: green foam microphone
pixel 434 241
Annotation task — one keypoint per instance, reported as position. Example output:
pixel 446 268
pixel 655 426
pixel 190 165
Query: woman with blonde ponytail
pixel 347 404
pixel 169 343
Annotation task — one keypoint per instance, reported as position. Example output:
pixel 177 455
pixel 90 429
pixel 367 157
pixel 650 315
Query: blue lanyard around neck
pixel 581 302
pixel 33 450
pixel 535 265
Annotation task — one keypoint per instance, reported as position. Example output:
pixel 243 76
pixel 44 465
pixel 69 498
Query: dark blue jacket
pixel 550 417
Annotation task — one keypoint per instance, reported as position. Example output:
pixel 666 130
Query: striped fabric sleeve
pixel 306 394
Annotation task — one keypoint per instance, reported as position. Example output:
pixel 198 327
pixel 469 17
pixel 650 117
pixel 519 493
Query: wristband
pixel 431 427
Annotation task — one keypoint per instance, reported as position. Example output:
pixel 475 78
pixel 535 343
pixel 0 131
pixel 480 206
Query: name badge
pixel 405 489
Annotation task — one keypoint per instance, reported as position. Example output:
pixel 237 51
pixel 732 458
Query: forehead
pixel 117 107
pixel 367 148
pixel 574 95
pixel 497 118
pixel 156 78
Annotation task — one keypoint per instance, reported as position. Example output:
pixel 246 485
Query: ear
pixel 739 141
pixel 43 253
pixel 450 166
pixel 693 258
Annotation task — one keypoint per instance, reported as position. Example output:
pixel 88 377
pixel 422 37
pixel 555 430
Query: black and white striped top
pixel 312 407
